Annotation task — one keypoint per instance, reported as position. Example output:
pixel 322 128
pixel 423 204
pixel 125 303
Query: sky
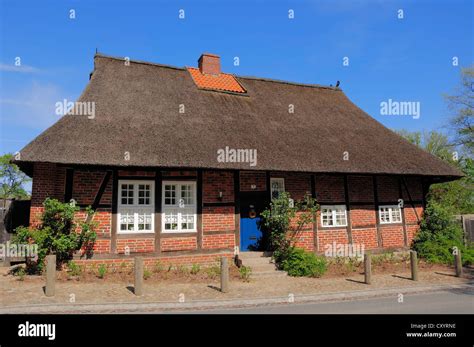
pixel 396 50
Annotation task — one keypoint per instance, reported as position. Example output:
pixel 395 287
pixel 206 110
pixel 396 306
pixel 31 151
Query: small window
pixel 277 186
pixel 332 216
pixel 390 214
pixel 179 207
pixel 135 206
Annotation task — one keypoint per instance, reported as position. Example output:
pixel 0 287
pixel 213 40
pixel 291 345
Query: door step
pixel 261 265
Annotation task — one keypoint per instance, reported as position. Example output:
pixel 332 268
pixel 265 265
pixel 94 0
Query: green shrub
pixel 195 269
pixel 102 270
pixel 158 267
pixel 245 272
pixel 439 236
pixel 213 271
pixel 301 263
pixel 74 269
pixel 283 223
pixel 146 274
pixel 57 233
pixel 20 273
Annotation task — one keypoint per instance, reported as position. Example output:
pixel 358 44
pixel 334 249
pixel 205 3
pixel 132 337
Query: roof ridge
pixel 101 55
pixel 299 84
pixel 264 79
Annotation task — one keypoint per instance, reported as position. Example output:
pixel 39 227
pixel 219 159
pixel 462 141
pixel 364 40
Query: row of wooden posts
pixel 138 288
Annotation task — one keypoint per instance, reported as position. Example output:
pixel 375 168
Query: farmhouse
pixel 150 163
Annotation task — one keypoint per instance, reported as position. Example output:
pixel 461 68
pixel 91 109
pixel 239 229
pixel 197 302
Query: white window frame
pixel 277 179
pixel 176 207
pixel 135 207
pixel 334 209
pixel 390 214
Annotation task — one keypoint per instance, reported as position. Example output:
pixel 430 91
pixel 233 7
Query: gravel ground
pixel 30 291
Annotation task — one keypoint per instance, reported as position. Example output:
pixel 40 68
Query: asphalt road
pixel 453 301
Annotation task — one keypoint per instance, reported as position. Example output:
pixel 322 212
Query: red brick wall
pixel 210 241
pixel 387 189
pixel 366 237
pixel 178 243
pixel 330 188
pixel 218 218
pixel 136 245
pixel 49 180
pixel 392 236
pixel 215 182
pixel 249 178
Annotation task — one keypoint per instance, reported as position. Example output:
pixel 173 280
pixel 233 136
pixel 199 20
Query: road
pixel 453 301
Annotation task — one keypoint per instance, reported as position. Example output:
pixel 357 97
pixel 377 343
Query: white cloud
pixel 33 106
pixel 21 68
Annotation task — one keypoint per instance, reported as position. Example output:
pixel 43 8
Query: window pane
pixel 187 194
pixel 171 220
pixel 126 221
pixel 144 194
pixel 127 194
pixel 170 194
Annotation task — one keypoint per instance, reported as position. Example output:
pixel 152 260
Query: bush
pixel 74 269
pixel 57 234
pixel 439 236
pixel 283 223
pixel 195 269
pixel 301 263
pixel 146 274
pixel 245 272
pixel 102 270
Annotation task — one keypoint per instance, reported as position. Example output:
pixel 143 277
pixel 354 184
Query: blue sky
pixel 409 59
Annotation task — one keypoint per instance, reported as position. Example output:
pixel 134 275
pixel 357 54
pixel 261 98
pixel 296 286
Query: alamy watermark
pixel 78 108
pixel 13 250
pixel 241 155
pixel 353 250
pixel 400 108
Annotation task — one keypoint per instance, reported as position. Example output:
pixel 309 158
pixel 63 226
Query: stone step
pixel 273 273
pixel 256 261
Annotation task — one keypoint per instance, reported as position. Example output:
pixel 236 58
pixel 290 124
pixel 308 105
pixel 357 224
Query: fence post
pixel 414 265
pixel 138 265
pixel 458 263
pixel 50 275
pixel 367 268
pixel 224 275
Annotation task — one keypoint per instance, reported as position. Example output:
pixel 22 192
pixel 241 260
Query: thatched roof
pixel 137 110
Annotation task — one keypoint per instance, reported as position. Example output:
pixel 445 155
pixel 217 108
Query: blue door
pixel 251 205
pixel 249 233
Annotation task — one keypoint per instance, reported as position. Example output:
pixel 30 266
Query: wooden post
pixel 138 288
pixel 224 275
pixel 50 275
pixel 414 265
pixel 367 268
pixel 458 263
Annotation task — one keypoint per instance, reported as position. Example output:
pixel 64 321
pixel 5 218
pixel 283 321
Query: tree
pixel 462 106
pixel 12 180
pixel 456 196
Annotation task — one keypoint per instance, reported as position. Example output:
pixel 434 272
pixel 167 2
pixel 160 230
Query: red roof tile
pixel 222 81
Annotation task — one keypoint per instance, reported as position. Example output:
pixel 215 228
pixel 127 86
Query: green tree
pixel 12 180
pixel 58 233
pixel 461 104
pixel 456 196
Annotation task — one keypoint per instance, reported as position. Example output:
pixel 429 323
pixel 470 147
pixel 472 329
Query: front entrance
pixel 251 205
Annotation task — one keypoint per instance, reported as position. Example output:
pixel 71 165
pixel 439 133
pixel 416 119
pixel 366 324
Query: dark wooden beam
pixel 199 209
pixel 402 208
pixel 113 231
pixel 158 211
pixel 348 204
pixel 315 215
pixel 237 207
pixel 69 184
pixel 376 205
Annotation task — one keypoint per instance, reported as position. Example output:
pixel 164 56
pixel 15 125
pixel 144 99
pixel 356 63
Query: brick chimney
pixel 209 64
